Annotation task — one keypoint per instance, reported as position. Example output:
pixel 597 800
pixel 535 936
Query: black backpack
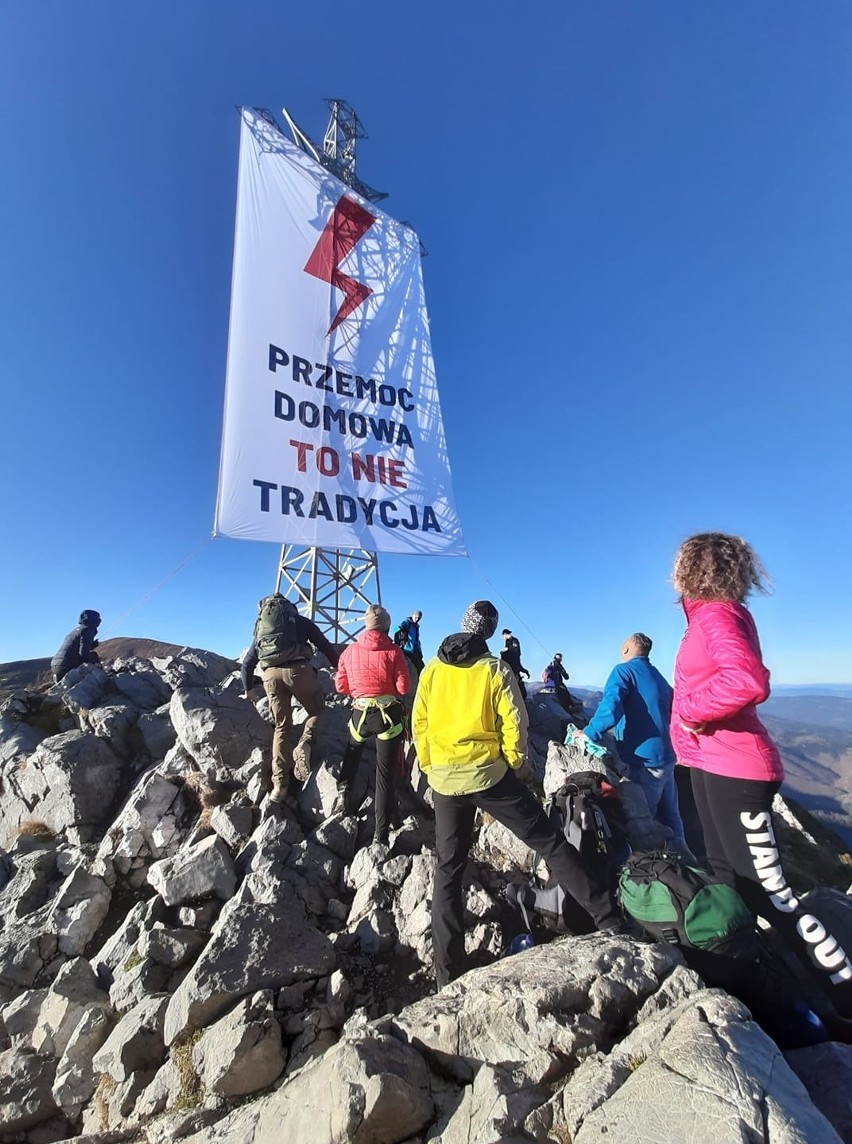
pixel 588 810
pixel 275 634
pixel 682 905
pixel 401 634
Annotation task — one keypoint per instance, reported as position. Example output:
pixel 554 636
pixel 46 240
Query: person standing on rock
pixel 282 647
pixel 79 645
pixel 637 704
pixel 374 673
pixel 511 654
pixel 470 730
pixel 736 767
pixel 407 637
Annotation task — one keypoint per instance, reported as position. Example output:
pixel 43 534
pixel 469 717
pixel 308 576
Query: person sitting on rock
pixel 407 636
pixel 470 730
pixel 511 654
pixel 78 646
pixel 637 704
pixel 373 671
pixel 282 646
pixel 555 677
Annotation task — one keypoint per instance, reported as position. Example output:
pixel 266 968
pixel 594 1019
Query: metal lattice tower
pixel 333 586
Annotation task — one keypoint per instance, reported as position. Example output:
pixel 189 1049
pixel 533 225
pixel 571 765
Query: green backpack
pixel 679 904
pixel 275 635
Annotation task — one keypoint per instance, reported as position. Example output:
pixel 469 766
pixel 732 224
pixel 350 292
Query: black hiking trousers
pixel 517 808
pixel 736 817
pixel 371 722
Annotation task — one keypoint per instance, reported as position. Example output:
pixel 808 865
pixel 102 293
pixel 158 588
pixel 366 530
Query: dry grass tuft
pixel 100 1101
pixel 32 828
pixel 191 1091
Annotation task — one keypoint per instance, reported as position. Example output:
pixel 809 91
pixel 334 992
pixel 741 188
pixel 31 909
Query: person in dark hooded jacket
pixel 78 646
pixel 470 729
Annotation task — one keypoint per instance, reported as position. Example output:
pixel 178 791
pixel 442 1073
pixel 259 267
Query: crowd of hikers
pixel 466 713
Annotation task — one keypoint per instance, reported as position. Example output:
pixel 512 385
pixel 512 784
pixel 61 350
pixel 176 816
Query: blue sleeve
pixel 610 710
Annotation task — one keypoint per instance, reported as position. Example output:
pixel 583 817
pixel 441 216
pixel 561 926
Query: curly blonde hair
pixel 716 566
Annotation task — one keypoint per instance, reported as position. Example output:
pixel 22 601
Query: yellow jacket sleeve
pixel 512 718
pixel 420 719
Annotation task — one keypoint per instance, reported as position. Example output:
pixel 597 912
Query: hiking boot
pixel 302 762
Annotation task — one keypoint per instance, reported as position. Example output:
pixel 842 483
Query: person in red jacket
pixel 736 768
pixel 374 672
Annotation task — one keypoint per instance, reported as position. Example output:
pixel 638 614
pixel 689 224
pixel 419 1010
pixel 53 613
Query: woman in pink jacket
pixel 736 768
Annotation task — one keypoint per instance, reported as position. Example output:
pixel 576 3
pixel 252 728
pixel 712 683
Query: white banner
pixel 332 432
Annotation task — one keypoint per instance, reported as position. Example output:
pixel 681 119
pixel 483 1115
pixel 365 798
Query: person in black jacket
pixel 297 680
pixel 511 654
pixel 78 646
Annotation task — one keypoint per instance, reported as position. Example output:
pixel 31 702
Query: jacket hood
pixel 461 648
pixel 90 618
pixel 374 638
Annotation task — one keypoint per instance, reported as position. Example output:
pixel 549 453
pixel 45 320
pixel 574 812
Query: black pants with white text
pixel 742 852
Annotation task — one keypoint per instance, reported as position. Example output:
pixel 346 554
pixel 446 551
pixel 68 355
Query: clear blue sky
pixel 639 223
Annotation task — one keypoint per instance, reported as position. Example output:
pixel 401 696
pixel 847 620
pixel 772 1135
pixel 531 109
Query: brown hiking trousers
pixel 282 685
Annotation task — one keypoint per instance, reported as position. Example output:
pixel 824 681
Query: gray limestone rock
pixel 253 946
pixel 76 1078
pixel 74 990
pixel 26 949
pixel 25 1090
pixel 158 734
pixel 204 870
pixel 151 826
pixel 233 824
pixel 79 907
pixel 218 728
pixel 19 1017
pixel 194 667
pixel 171 946
pixel 382 1089
pixel 70 782
pixel 241 1052
pixel 136 1042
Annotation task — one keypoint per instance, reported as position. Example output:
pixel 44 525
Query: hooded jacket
pixel 78 646
pixel 469 720
pixel 372 665
pixel 719 678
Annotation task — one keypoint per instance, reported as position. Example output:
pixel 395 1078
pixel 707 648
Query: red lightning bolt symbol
pixel 348 224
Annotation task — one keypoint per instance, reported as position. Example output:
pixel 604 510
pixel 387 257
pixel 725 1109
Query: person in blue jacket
pixel 636 705
pixel 407 636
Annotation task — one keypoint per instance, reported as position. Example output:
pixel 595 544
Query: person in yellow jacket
pixel 470 729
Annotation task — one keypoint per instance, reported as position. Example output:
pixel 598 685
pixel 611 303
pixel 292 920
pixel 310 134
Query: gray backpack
pixel 275 635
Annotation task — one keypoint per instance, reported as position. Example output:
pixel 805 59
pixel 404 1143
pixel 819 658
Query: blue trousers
pixel 660 789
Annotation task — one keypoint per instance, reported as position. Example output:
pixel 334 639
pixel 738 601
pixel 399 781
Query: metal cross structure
pixel 333 586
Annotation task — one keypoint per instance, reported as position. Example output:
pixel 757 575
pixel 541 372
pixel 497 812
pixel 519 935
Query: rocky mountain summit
pixel 178 963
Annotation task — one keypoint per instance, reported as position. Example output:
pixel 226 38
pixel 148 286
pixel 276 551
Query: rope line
pixel 519 618
pixel 144 599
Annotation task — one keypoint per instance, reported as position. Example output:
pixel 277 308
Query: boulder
pixel 217 728
pixel 79 907
pixel 76 1079
pixel 136 1042
pixel 156 731
pixel 74 990
pixel 204 870
pixel 26 1098
pixel 253 946
pixel 171 946
pixel 194 667
pixel 233 824
pixel 151 826
pixel 69 784
pixel 241 1052
pixel 826 1072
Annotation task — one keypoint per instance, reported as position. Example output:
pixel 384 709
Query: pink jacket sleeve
pixel 739 678
pixel 341 679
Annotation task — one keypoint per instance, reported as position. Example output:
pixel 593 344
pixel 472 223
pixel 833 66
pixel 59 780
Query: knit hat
pixel 480 619
pixel 376 618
